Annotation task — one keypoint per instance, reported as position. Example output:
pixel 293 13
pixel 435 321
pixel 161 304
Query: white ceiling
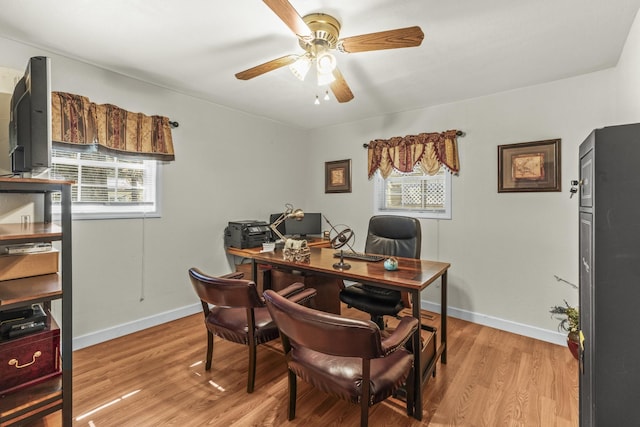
pixel 471 48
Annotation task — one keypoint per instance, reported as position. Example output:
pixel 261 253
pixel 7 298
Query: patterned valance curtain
pixel 78 123
pixel 429 150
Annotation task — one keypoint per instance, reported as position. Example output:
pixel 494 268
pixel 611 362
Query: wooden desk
pixel 412 276
pixel 267 277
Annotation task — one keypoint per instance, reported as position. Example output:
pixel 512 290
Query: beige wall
pixel 130 273
pixel 504 248
pixel 627 94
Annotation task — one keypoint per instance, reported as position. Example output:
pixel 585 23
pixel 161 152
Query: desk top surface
pixel 250 252
pixel 411 273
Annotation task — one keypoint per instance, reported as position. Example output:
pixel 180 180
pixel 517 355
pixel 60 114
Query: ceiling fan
pixel 318 34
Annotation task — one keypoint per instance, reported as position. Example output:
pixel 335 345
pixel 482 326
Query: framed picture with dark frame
pixel 529 166
pixel 337 176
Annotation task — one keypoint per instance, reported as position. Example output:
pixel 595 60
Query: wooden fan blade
pixel 392 39
pixel 266 67
pixel 340 88
pixel 289 16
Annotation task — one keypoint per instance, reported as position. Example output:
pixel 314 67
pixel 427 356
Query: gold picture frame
pixel 529 166
pixel 337 176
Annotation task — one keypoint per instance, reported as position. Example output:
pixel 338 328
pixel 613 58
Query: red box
pixel 30 359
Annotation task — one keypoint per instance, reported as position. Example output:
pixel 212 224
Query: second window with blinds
pixel 413 194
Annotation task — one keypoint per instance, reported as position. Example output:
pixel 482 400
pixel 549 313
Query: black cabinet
pixel 609 259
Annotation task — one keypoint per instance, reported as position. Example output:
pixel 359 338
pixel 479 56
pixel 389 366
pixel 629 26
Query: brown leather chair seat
pixel 231 324
pixel 342 376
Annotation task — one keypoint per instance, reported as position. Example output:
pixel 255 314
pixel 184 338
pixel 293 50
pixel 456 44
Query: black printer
pixel 246 234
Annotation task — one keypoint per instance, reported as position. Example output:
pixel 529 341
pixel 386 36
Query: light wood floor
pixel 156 378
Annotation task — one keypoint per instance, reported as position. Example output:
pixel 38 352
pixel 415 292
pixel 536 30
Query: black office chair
pixel 392 236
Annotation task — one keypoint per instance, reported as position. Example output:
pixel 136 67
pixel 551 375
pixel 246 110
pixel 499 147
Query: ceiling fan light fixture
pixel 325 63
pixel 301 67
pixel 319 33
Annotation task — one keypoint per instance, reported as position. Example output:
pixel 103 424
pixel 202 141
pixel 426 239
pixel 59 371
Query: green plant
pixel 568 315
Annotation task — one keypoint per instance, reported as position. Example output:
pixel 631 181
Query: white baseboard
pixel 481 319
pixel 134 326
pixel 497 323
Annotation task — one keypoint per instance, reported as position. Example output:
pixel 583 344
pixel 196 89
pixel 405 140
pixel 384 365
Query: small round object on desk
pixel 391 264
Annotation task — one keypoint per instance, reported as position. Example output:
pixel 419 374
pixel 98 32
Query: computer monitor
pixel 310 225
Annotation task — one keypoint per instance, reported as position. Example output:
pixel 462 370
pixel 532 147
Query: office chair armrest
pixel 234 275
pixel 303 296
pixel 401 335
pixel 292 289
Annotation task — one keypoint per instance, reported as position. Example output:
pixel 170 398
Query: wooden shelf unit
pixel 32 232
pixel 30 290
pixel 39 400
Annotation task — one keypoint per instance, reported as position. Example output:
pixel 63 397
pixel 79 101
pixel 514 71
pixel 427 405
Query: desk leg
pixel 417 357
pixel 254 271
pixel 263 282
pixel 443 318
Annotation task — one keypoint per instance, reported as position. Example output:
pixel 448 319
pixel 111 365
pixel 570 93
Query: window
pixel 107 186
pixel 414 194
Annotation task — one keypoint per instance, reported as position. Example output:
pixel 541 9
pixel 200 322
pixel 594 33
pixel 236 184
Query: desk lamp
pixel 289 212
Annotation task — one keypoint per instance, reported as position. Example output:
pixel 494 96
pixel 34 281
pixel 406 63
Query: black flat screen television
pixel 30 119
pixel 310 225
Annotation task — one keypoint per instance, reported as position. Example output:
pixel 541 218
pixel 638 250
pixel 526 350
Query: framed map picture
pixel 529 166
pixel 337 176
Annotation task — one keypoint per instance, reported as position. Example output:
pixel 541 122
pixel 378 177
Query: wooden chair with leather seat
pixel 388 235
pixel 344 357
pixel 234 311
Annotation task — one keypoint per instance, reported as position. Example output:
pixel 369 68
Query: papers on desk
pixel 268 247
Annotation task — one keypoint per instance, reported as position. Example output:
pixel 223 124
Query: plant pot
pixel 573 342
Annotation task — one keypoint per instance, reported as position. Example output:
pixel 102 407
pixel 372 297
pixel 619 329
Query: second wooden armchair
pixel 344 357
pixel 234 311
